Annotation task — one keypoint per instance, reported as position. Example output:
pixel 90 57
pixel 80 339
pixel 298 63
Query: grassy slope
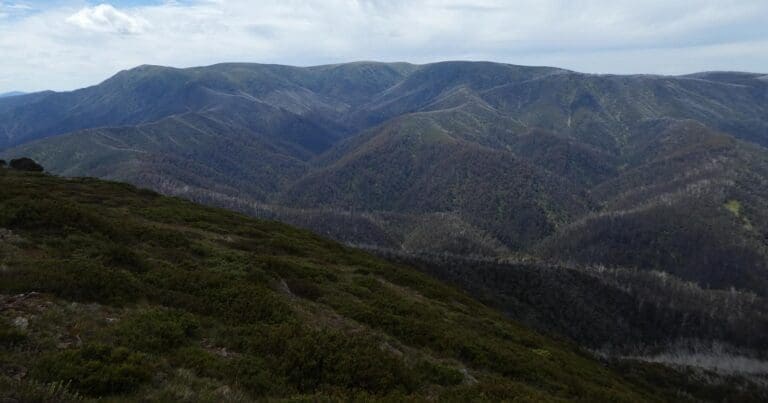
pixel 145 296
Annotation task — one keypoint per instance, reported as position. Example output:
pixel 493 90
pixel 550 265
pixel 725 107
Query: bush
pixel 203 362
pixel 305 289
pixel 78 279
pixel 26 164
pixel 156 330
pixel 96 369
pixel 10 336
pixel 311 360
pixel 252 374
pixel 438 373
pixel 125 258
pixel 247 303
pixel 56 217
pixel 89 281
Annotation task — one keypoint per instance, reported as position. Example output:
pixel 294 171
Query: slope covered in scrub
pixel 111 291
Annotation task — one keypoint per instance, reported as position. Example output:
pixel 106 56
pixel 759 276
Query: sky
pixel 68 44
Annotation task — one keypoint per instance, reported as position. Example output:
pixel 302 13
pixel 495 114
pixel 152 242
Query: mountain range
pixel 616 189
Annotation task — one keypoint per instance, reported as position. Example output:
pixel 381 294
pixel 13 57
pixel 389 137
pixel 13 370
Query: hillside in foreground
pixel 112 291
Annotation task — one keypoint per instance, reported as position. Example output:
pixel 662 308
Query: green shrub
pixel 121 256
pixel 96 369
pixel 253 375
pixel 89 281
pixel 10 336
pixel 76 279
pixel 249 372
pixel 247 303
pixel 156 330
pixel 53 216
pixel 305 289
pixel 314 359
pixel 440 374
pixel 202 362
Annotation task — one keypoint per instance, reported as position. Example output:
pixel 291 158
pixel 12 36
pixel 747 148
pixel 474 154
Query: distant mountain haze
pixel 11 94
pixel 655 173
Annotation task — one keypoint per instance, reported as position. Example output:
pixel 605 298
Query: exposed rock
pixel 283 287
pixel 7 235
pixel 224 391
pixel 220 351
pixel 388 347
pixel 21 322
pixel 69 341
pixel 468 378
pixel 23 306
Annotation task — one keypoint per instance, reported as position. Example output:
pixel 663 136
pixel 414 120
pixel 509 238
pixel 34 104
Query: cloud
pixel 13 10
pixel 106 18
pixel 18 6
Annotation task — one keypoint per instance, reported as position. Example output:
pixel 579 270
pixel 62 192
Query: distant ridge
pixel 11 94
pixel 467 157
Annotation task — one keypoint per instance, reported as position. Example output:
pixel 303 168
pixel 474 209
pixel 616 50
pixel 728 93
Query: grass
pixel 734 206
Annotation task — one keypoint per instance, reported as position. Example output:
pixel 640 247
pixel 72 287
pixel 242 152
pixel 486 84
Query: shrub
pixel 96 369
pixel 123 257
pixel 10 336
pixel 305 289
pixel 440 374
pixel 77 279
pixel 316 359
pixel 201 361
pixel 26 164
pixel 252 374
pixel 156 330
pixel 89 281
pixel 247 303
pixel 55 216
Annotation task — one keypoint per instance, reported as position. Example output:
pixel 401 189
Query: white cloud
pixel 64 47
pixel 106 18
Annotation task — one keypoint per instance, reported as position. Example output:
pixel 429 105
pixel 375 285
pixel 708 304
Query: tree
pixel 26 164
